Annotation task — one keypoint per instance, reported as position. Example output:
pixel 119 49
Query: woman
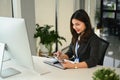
pixel 84 44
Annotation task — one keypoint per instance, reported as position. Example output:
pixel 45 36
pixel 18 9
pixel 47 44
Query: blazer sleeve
pixel 94 57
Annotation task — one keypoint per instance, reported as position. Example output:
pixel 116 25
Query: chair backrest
pixel 103 45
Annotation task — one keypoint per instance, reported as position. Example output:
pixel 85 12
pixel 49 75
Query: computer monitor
pixel 14 35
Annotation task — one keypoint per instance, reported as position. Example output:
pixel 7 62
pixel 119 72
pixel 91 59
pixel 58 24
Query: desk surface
pixel 46 72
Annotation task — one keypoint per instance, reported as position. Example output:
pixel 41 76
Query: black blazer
pixel 87 52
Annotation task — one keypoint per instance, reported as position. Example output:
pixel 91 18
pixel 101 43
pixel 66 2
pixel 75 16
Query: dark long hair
pixel 81 15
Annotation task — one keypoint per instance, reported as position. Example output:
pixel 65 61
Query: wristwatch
pixel 75 66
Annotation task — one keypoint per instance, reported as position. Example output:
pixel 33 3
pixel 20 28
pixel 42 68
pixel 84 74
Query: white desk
pixel 53 73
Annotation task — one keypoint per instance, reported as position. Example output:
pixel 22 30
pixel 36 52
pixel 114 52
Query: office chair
pixel 103 45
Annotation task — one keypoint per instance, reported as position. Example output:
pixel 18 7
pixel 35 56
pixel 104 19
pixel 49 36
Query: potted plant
pixel 105 74
pixel 48 37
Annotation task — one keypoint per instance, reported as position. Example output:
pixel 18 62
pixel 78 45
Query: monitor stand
pixel 4 73
pixel 9 72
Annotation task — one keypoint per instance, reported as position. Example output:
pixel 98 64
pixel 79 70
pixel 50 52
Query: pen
pixel 45 73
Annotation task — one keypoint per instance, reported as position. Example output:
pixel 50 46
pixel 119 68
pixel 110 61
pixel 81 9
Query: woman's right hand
pixel 57 54
pixel 60 56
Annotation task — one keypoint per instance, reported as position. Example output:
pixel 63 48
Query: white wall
pixel 5 8
pixel 45 12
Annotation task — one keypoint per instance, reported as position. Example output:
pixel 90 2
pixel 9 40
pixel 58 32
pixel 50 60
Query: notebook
pixel 54 62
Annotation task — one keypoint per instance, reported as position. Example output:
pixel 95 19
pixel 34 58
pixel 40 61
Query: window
pixel 110 16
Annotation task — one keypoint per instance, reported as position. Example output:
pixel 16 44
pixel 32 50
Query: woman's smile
pixel 78 26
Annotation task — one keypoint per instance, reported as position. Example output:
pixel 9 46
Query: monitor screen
pixel 14 34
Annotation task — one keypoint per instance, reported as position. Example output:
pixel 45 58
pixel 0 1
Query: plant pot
pixel 43 50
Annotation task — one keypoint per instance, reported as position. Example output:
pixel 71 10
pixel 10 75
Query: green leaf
pixel 105 74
